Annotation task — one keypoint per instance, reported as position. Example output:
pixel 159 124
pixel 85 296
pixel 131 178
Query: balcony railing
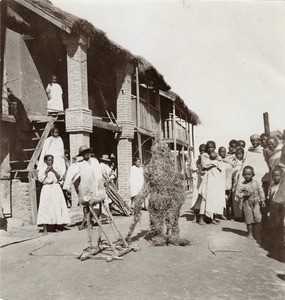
pixel 167 129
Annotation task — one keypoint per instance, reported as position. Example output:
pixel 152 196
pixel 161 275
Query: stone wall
pixel 21 203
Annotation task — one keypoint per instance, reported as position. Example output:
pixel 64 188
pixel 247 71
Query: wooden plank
pixel 266 123
pixel 105 125
pixel 39 147
pixel 167 95
pixel 145 132
pixel 33 196
pixel 8 118
pixel 44 14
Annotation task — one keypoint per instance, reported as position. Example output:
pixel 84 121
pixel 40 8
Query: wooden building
pixel 114 101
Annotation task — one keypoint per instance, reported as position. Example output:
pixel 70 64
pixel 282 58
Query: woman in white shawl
pixel 52 207
pixel 53 145
pixel 136 179
pixel 212 188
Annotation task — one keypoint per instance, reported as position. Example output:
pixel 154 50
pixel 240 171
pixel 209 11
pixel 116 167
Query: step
pixel 21 171
pixel 28 150
pixel 19 161
pixel 36 139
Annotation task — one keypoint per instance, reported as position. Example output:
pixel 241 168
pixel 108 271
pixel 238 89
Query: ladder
pixel 23 167
pixel 105 250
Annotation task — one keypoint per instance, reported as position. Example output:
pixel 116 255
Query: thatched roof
pixel 15 22
pixel 100 41
pixel 151 75
pixel 193 118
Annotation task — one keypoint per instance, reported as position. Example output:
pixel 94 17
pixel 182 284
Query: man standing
pixel 91 187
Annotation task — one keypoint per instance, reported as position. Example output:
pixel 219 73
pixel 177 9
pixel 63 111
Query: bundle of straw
pixel 166 192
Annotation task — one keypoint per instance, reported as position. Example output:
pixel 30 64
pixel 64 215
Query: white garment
pixel 55 147
pixel 90 174
pixel 107 172
pixel 136 180
pixel 55 102
pixel 52 207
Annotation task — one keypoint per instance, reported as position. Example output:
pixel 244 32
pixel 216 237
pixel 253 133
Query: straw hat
pixel 105 157
pixel 84 148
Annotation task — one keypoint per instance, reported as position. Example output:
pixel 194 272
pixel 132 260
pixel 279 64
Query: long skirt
pixel 52 208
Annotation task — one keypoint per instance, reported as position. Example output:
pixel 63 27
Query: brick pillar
pixel 124 118
pixel 78 116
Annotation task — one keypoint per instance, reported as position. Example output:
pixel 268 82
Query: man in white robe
pixel 91 187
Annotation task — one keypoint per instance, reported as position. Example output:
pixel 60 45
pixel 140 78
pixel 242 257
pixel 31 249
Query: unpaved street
pixel 221 264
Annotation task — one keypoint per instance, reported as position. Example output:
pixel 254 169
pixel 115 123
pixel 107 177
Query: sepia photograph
pixel 142 150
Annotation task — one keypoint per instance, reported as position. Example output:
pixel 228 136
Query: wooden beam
pixel 8 118
pixel 174 136
pixel 166 95
pixel 44 14
pixel 105 125
pixel 193 143
pixel 145 132
pixel 266 123
pixel 138 113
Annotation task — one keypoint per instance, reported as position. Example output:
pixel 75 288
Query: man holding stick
pixel 91 187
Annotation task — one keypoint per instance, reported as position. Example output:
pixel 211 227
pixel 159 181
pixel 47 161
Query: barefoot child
pixel 251 194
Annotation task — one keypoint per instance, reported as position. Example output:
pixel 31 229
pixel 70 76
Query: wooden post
pixel 266 123
pixel 138 114
pixel 193 144
pixel 190 159
pixel 174 136
pixel 33 196
pixel 183 162
pixel 159 115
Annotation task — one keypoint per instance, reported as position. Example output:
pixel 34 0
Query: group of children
pixel 249 180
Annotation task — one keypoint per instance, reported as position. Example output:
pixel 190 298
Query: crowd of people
pixel 239 184
pixel 88 175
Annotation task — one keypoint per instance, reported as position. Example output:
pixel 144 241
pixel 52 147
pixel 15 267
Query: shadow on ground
pixel 236 231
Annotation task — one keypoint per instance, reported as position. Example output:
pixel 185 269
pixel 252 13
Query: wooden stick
pixel 266 123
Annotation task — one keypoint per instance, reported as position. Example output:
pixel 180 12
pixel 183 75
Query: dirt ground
pixel 221 263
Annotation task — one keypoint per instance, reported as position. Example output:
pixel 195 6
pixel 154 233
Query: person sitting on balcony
pixel 54 92
pixel 54 145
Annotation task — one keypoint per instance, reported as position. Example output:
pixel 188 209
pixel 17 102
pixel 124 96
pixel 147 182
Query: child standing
pixel 52 208
pixel 54 93
pixel 274 186
pixel 252 196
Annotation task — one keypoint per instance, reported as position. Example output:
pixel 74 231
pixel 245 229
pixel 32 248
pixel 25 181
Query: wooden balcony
pixel 168 134
pixel 149 117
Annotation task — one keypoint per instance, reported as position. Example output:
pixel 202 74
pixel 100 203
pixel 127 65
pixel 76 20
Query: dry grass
pixel 166 192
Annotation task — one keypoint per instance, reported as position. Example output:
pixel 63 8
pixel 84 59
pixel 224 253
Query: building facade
pixel 114 101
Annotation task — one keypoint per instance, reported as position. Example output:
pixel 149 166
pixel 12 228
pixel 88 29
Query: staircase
pixel 24 167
